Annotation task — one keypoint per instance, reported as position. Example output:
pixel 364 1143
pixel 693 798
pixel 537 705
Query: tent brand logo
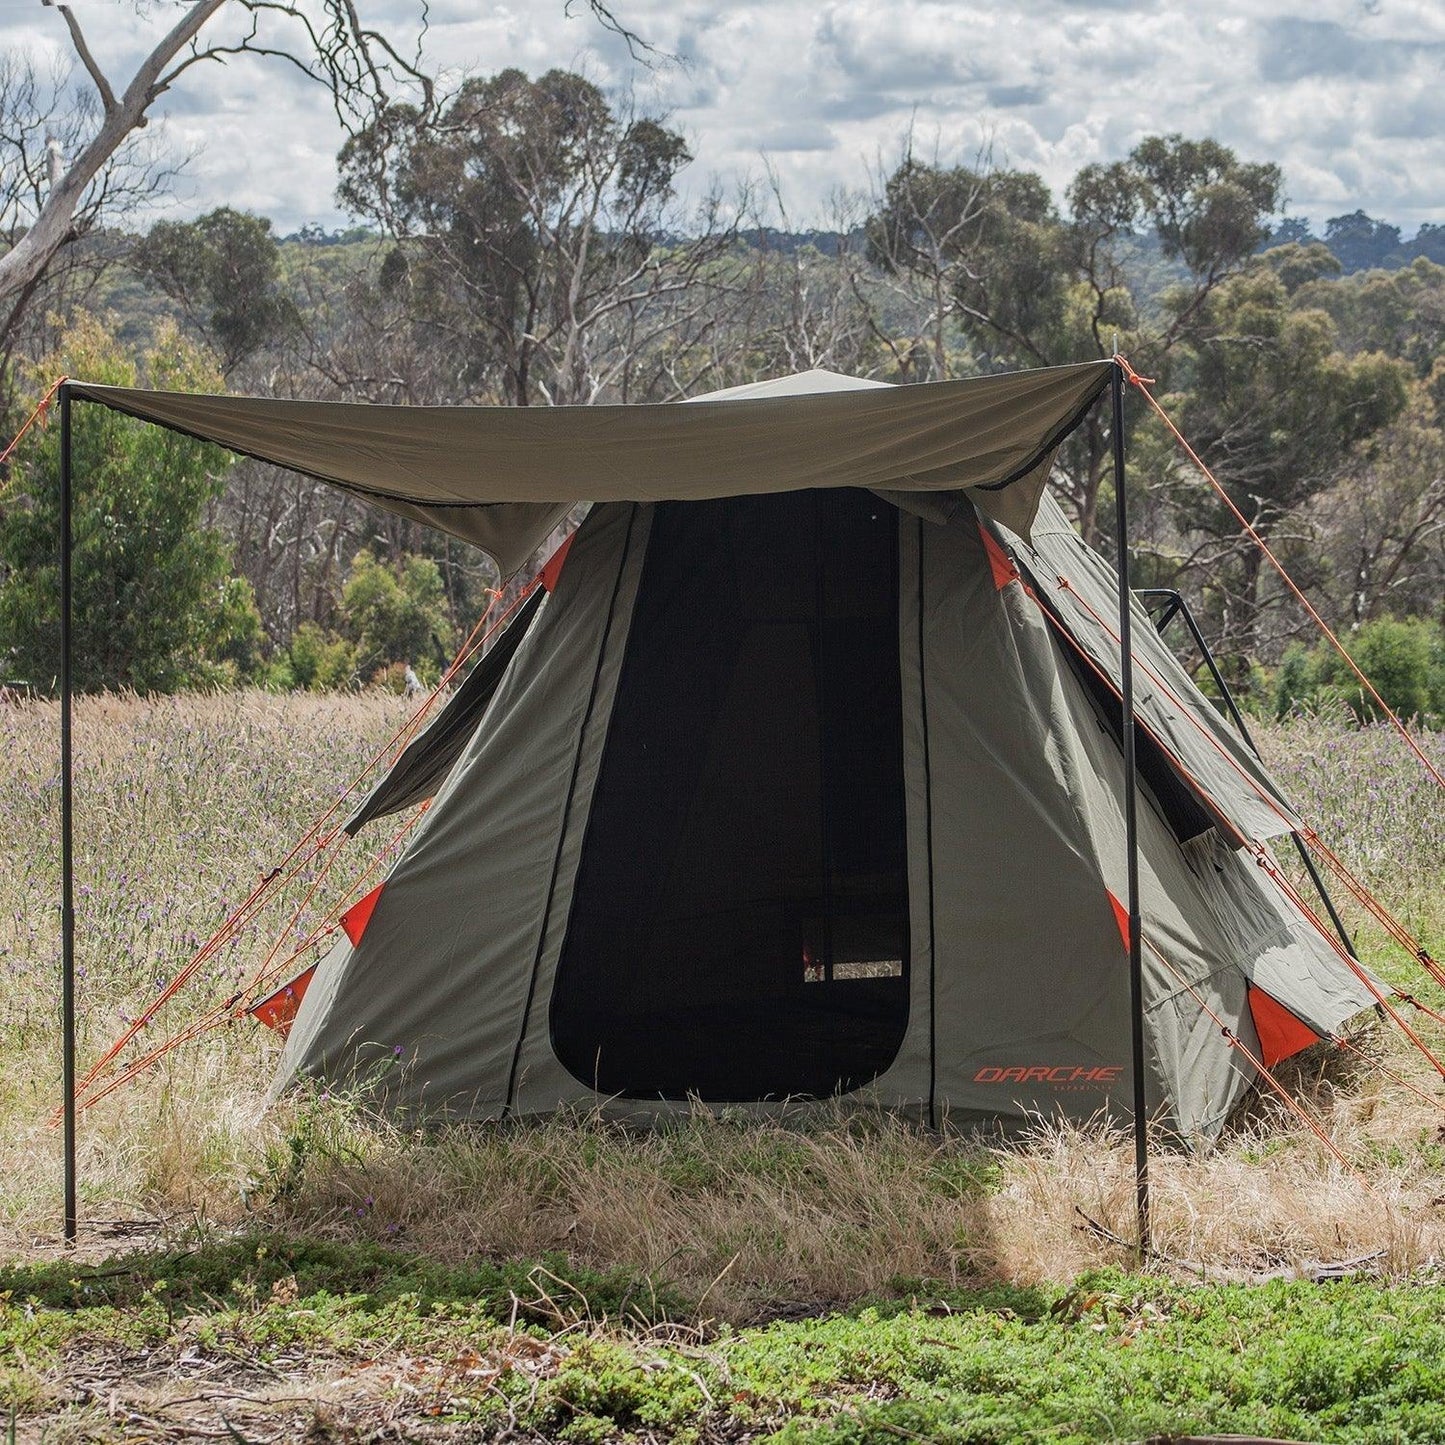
pixel 1068 1077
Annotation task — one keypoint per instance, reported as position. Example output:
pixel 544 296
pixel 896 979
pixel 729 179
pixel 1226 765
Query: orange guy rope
pixel 226 1011
pixel 1388 921
pixel 36 416
pixel 1235 1042
pixel 1260 853
pixel 1142 382
pixel 478 638
pixel 1340 1041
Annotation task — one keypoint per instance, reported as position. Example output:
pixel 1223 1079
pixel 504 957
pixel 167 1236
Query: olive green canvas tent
pixel 804 777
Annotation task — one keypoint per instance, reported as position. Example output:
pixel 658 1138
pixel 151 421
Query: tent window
pixel 1176 801
pixel 739 927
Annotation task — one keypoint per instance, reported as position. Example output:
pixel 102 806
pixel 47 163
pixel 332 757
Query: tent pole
pixel 67 850
pixel 1131 821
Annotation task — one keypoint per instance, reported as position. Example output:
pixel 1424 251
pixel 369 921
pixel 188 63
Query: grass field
pixel 258 1275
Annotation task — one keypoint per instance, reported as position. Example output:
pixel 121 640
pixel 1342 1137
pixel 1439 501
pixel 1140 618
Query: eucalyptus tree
pixel 1009 279
pixel 537 232
pixel 223 270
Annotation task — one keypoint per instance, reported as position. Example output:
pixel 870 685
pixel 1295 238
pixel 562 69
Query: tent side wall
pixel 450 957
pixel 1081 588
pixel 1030 1005
pixel 1025 786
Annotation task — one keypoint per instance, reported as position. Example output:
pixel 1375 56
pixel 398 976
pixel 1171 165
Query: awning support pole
pixel 1131 820
pixel 67 850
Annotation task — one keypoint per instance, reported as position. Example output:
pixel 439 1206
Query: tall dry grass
pixel 183 803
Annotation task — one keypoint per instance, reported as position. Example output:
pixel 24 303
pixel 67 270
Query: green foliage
pixel 1360 241
pixel 1296 683
pixel 390 615
pixel 1404 658
pixel 1207 206
pixel 1112 1357
pixel 1399 313
pixel 1265 394
pixel 227 1272
pixel 396 614
pixel 316 660
pixel 152 606
pixel 236 644
pixel 223 269
pixel 1298 264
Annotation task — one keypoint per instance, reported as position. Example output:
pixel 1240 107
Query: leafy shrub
pixel 153 610
pixel 237 640
pixel 1403 658
pixel 317 660
pixel 395 614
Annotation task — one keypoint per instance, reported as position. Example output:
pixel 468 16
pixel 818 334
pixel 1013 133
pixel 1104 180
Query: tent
pixel 804 777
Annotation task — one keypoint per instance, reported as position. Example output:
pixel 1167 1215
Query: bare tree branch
pixel 77 39
pixel 34 251
pixel 357 63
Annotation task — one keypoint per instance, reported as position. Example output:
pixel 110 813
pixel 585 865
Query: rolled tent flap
pixel 501 477
pixel 1080 589
pixel 425 762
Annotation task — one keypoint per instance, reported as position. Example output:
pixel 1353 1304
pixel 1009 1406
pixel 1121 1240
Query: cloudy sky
pixel 1348 96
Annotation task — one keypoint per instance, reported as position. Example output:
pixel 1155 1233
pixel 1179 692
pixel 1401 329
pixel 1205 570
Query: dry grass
pixel 183 803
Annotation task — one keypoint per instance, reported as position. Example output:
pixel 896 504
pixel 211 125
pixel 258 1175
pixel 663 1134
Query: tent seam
pixel 509 1102
pixel 928 851
pixel 1056 440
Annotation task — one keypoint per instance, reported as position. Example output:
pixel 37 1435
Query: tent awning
pixel 500 477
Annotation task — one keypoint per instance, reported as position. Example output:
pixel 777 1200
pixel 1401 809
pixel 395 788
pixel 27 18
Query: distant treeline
pixel 527 245
pixel 1357 241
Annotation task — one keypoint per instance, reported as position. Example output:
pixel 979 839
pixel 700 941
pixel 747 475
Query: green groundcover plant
pixel 570 1355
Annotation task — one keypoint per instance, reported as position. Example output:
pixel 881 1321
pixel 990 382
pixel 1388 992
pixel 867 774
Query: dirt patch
pixel 192 1391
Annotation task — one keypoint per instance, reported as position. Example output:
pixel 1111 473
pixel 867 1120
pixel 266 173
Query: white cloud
pixel 1343 94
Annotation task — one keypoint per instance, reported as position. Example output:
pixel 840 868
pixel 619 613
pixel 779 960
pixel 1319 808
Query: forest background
pixel 522 242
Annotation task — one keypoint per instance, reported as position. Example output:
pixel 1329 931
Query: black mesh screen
pixel 1177 802
pixel 739 928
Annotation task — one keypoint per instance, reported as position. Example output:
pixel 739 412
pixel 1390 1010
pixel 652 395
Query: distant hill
pixel 1358 241
pixel 1361 243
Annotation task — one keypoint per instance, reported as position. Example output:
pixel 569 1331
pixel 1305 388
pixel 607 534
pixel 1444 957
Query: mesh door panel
pixel 739 927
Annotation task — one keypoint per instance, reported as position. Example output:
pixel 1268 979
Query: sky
pixel 1347 96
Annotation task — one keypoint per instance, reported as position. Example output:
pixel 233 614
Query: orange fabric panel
pixel 355 919
pixel 1121 917
pixel 279 1010
pixel 552 570
pixel 1281 1034
pixel 999 561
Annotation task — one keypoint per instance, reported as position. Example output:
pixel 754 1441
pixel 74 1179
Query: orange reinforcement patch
pixel 1121 917
pixel 279 1010
pixel 1281 1034
pixel 553 567
pixel 355 919
pixel 999 561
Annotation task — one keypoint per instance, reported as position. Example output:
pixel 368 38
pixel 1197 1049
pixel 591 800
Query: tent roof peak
pixel 799 383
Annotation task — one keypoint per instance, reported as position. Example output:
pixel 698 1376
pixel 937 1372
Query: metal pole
pixel 67 851
pixel 1131 821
